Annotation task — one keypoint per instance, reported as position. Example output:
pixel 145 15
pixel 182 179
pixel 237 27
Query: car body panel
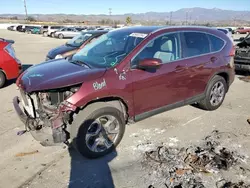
pixel 68 74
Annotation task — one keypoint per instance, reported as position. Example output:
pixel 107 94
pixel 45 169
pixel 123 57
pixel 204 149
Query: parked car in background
pixel 126 75
pixel 29 29
pixel 242 30
pixel 10 66
pixel 242 55
pixel 73 45
pixel 67 32
pixel 44 29
pixel 10 28
pixel 36 30
pixel 51 30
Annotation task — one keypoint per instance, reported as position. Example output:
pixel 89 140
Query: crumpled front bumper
pixel 23 117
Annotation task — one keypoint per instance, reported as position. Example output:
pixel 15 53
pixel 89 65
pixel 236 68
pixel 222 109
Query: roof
pixel 139 29
pixel 94 32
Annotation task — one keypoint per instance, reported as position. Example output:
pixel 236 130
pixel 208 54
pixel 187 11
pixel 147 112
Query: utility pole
pixel 170 18
pixel 25 7
pixel 186 17
pixel 110 12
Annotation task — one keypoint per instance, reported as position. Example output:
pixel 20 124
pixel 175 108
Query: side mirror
pixel 149 63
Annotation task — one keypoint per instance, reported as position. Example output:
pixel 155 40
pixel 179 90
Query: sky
pixel 118 6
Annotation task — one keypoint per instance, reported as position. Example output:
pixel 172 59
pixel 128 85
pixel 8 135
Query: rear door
pixel 196 51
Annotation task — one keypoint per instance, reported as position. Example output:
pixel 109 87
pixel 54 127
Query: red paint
pixel 8 64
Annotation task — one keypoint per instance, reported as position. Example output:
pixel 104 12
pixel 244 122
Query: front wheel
pixel 61 36
pixel 97 130
pixel 215 94
pixel 53 35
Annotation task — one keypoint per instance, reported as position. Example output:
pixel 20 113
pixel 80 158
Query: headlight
pixel 59 56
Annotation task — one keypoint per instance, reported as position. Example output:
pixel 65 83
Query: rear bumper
pixel 23 117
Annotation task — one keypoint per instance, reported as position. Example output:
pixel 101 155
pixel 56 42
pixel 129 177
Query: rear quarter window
pixel 216 43
pixel 194 44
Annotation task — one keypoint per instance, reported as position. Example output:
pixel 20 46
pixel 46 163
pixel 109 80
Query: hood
pixel 60 50
pixel 56 74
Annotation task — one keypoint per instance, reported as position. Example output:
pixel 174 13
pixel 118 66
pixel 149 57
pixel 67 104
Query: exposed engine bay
pixel 48 114
pixel 243 49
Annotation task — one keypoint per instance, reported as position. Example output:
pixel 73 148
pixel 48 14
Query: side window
pixel 194 43
pixel 166 48
pixel 216 43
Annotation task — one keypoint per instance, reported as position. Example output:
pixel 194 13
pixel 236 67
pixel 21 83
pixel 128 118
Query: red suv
pixel 10 66
pixel 124 76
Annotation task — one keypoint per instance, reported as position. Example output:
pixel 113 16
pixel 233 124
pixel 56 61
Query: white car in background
pixel 50 30
pixel 67 32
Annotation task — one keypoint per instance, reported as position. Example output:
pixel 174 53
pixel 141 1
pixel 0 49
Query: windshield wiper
pixel 77 62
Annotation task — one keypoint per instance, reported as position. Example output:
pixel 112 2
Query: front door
pixel 164 86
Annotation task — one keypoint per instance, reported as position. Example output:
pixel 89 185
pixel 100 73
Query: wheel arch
pixel 115 101
pixel 223 74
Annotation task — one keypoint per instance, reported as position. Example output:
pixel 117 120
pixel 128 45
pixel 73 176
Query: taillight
pixel 232 52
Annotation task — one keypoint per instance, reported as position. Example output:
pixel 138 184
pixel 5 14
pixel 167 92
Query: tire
pixel 207 104
pixel 2 79
pixel 45 34
pixel 60 36
pixel 53 35
pixel 237 33
pixel 85 120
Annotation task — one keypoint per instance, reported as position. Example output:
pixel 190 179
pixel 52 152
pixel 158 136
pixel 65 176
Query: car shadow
pixel 90 172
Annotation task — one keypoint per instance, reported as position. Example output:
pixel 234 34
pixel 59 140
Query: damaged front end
pixel 242 55
pixel 46 114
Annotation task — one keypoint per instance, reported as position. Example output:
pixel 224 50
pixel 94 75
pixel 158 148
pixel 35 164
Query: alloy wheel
pixel 102 133
pixel 217 93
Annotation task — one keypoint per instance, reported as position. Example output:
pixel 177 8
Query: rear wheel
pixel 53 35
pixel 60 36
pixel 2 79
pixel 97 130
pixel 45 34
pixel 215 94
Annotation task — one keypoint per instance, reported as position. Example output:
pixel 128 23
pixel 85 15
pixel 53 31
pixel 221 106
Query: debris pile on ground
pixel 198 167
pixel 227 184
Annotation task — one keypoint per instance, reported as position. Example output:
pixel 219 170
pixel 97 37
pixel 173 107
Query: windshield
pixel 110 49
pixel 78 40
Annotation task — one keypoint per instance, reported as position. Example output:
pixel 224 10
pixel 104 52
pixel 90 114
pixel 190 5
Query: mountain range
pixel 191 15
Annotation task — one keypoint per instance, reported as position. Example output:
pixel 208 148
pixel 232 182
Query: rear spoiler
pixel 6 40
